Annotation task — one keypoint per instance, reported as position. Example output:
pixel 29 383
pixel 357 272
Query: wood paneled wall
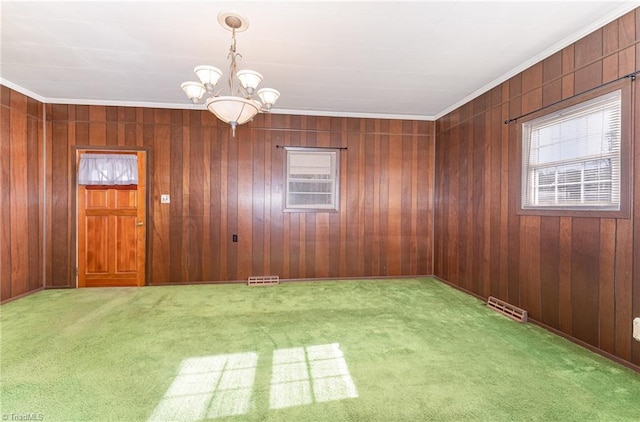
pixel 221 186
pixel 577 275
pixel 21 176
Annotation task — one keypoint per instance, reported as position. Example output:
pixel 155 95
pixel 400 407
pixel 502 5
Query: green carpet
pixel 392 350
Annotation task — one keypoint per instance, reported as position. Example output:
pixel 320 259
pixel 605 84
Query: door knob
pixel 139 223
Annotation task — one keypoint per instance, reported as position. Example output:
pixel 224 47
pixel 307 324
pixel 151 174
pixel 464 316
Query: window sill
pixel 313 210
pixel 564 212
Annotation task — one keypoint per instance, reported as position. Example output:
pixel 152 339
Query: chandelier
pixel 239 107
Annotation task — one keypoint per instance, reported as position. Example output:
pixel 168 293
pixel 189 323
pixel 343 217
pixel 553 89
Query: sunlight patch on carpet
pixel 302 374
pixel 209 387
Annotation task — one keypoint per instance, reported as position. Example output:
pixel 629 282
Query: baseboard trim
pixel 293 280
pixel 11 299
pixel 587 346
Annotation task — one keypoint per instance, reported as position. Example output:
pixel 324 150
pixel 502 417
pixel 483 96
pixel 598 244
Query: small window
pixel 108 169
pixel 312 176
pixel 571 158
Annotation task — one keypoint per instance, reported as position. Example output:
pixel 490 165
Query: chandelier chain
pixel 233 68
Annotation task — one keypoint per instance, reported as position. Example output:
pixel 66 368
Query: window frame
pixel 335 207
pixel 625 155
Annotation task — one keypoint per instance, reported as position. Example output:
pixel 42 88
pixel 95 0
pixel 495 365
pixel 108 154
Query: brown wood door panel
pixel 125 244
pixel 96 199
pixel 126 199
pixel 95 246
pixel 111 234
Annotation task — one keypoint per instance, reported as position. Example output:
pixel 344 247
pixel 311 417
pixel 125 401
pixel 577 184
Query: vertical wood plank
pixel 244 207
pixel 233 199
pixel 215 206
pixel 529 256
pixel 266 241
pixel 470 280
pixel 463 205
pixel 294 245
pixel 504 202
pixel 160 223
pixel 48 194
pixel 394 223
pixel 515 109
pixel 549 264
pixel 413 213
pixel 479 193
pixel 207 258
pixel 60 273
pixel 34 260
pixel 442 192
pixel 175 207
pixel 375 223
pixel 369 196
pixel 195 190
pixel 452 211
pixel 258 205
pixel 405 204
pixel 277 200
pixel 425 188
pixel 496 257
pixel 564 289
pixel 585 273
pixel 352 204
pixel 486 206
pixel 185 216
pixel 606 289
pixel 383 199
pixel 361 187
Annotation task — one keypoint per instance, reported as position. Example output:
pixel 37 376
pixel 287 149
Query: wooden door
pixel 112 232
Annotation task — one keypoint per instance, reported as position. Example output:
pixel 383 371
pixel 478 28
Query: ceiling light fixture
pixel 239 107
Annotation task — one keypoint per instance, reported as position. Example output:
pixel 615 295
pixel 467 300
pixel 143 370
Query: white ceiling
pixel 397 59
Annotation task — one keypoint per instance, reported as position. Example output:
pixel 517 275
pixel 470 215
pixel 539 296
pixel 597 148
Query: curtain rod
pixel 302 146
pixel 631 76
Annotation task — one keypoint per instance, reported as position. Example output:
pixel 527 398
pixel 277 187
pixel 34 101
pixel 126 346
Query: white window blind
pixel 571 158
pixel 108 169
pixel 312 179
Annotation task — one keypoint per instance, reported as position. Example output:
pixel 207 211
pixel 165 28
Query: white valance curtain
pixel 108 169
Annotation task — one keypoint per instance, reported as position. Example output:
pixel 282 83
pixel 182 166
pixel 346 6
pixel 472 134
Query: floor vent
pixel 263 280
pixel 507 309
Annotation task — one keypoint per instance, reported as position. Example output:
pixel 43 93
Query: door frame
pixel 75 156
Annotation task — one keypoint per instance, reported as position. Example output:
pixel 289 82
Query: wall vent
pixel 264 280
pixel 507 309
